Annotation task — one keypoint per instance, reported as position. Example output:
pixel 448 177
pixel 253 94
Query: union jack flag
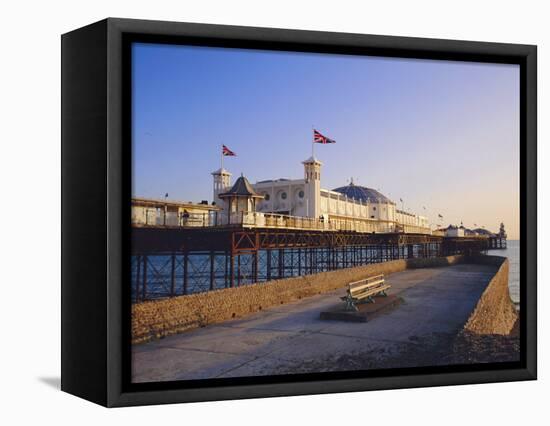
pixel 319 138
pixel 227 152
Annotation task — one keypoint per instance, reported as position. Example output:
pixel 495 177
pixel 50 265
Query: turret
pixel 222 182
pixel 312 176
pixel 502 231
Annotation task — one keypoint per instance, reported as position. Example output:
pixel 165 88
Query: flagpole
pixel 221 162
pixel 313 142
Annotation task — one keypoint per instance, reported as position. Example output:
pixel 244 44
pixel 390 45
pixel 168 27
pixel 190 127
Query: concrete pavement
pixel 291 338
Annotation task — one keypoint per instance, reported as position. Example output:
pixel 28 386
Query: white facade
pixel 411 219
pixel 454 231
pixel 152 212
pixel 305 198
pixel 222 182
pixel 284 196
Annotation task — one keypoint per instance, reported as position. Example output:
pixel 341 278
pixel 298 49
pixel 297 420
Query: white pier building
pixel 302 203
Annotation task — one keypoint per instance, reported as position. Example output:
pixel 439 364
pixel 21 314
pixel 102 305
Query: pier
pixel 497 242
pixel 170 261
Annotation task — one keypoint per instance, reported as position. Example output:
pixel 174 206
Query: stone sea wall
pixel 494 312
pixel 156 319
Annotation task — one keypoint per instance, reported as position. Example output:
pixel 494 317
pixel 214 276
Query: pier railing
pixel 272 220
pixel 277 256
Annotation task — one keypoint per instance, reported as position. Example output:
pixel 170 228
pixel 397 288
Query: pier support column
pixel 185 272
pixel 144 287
pixel 255 266
pixel 231 270
pixel 280 263
pixel 212 270
pixel 238 270
pixel 173 275
pixel 138 277
pixel 225 268
pixel 315 255
pixel 345 257
pixel 268 264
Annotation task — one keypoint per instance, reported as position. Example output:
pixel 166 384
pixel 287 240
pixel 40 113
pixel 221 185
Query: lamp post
pixel 165 207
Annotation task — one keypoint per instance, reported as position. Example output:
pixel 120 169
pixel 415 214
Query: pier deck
pixel 293 339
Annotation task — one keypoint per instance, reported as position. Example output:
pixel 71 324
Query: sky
pixel 441 135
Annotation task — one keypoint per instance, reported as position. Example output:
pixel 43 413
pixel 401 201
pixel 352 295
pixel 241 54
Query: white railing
pixel 273 220
pixel 154 217
pixel 413 229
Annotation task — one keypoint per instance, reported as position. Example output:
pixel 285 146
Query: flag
pixel 319 138
pixel 401 199
pixel 166 195
pixel 227 152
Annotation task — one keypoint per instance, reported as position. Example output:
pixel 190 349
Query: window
pixel 301 194
pixel 374 208
pixel 283 195
pixel 266 197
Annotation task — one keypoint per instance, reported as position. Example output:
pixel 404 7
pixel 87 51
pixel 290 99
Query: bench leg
pixel 350 306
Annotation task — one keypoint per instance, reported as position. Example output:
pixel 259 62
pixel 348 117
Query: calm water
pixel 159 270
pixel 512 253
pixel 158 283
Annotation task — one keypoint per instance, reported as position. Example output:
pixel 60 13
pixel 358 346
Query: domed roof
pixel 363 193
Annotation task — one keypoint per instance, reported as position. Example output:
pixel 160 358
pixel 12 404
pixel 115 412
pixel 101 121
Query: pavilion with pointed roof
pixel 241 197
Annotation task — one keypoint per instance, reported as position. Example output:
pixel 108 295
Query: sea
pixel 512 253
pixel 158 282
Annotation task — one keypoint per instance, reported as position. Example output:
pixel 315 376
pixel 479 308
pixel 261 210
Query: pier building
pixel 296 201
pixel 157 212
pixel 455 231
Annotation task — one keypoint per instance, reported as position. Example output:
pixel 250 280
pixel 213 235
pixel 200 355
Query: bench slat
pixel 370 292
pixel 375 277
pixel 373 284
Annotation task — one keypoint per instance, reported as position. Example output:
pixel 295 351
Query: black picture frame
pixel 96 210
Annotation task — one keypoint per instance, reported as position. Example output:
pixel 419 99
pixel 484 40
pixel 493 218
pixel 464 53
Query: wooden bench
pixel 363 291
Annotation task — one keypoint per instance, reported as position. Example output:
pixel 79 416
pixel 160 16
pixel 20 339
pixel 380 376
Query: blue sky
pixel 439 134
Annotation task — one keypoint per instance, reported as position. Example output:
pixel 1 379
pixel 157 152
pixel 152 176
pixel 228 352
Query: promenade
pixel 291 338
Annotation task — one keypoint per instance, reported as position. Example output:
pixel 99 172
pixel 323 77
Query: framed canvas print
pixel 253 212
